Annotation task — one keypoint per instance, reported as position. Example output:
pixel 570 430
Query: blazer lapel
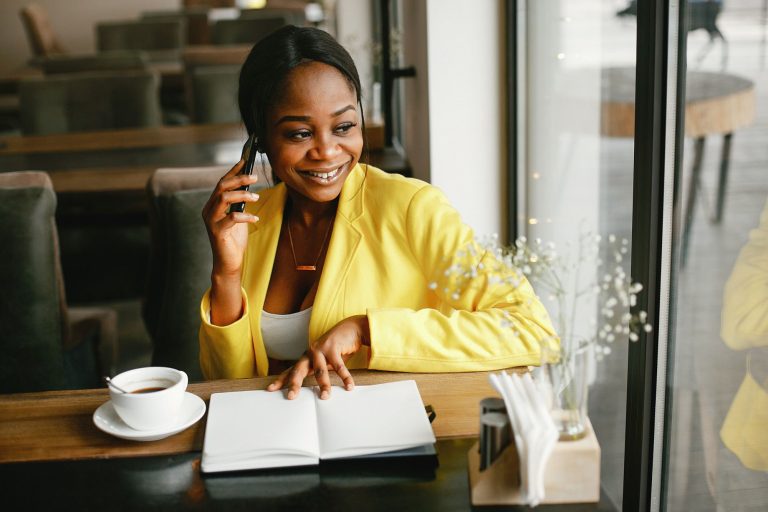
pixel 342 247
pixel 262 246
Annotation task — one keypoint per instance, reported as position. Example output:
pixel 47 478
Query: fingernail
pixel 255 218
pixel 291 394
pixel 350 386
pixel 324 395
pixel 254 197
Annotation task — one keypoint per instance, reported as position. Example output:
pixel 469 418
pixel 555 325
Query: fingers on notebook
pixel 291 378
pixel 321 374
pixel 278 382
pixel 343 372
pixel 295 377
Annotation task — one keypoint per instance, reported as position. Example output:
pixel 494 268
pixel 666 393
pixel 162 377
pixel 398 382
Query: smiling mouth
pixel 325 177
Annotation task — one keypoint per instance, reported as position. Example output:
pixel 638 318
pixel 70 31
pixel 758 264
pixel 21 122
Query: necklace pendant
pixel 306 267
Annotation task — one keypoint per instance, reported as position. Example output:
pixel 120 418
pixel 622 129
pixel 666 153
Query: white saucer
pixel 107 420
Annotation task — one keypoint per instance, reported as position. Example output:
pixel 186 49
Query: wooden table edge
pixel 455 397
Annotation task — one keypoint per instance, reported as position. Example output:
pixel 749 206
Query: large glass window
pixel 718 442
pixel 575 143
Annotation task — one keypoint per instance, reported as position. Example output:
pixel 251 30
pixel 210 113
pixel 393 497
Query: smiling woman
pixel 316 135
pixel 341 265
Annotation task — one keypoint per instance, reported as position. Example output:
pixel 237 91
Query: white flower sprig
pixel 586 274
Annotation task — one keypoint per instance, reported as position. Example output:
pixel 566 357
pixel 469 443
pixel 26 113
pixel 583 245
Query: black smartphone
pixel 249 155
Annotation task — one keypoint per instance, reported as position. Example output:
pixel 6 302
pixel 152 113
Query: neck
pixel 307 213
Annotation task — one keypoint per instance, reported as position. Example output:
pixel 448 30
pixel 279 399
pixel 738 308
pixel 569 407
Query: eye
pixel 345 127
pixel 299 135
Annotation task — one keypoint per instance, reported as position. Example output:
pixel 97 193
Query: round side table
pixel 715 104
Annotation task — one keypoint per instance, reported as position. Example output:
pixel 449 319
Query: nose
pixel 324 148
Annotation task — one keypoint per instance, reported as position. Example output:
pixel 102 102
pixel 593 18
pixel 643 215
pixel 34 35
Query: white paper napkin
pixel 534 431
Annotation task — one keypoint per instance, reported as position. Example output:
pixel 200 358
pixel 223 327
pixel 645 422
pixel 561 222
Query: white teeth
pixel 325 175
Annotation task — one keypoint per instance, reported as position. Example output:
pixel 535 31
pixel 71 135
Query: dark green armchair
pixel 71 102
pixel 44 344
pixel 180 265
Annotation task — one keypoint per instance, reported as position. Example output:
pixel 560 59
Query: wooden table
pixel 52 456
pixel 58 425
pixel 715 104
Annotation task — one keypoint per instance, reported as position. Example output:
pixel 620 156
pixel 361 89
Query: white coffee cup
pixel 153 399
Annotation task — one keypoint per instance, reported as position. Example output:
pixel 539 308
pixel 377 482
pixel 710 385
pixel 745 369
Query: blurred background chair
pixel 214 94
pixel 40 34
pixel 104 61
pixel 211 76
pixel 89 101
pixel 245 30
pixel 291 15
pixel 44 344
pixel 180 264
pixel 195 19
pixel 209 3
pixel 700 15
pixel 162 39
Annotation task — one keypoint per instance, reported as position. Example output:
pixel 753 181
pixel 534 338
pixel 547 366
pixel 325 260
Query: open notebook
pixel 261 429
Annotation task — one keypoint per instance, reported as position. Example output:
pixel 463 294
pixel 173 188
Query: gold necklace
pixel 293 251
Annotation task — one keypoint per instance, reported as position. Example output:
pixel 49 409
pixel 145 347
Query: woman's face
pixel 314 136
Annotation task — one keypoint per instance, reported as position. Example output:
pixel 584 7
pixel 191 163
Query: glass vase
pixel 568 376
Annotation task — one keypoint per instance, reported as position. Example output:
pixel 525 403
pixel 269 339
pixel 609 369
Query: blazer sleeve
pixel 492 318
pixel 223 352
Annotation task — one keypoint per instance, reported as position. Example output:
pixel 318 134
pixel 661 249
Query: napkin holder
pixel 572 474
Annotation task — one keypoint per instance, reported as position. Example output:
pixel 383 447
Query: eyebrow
pixel 286 119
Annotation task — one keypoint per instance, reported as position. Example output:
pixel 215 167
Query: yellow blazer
pixel 394 243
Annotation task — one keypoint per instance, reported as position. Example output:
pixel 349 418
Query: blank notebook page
pixel 247 423
pixel 371 419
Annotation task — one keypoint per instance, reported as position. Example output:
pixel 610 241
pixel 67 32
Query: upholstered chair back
pixel 39 31
pixel 195 18
pixel 180 265
pixel 32 299
pixel 104 61
pixel 211 76
pixel 44 343
pixel 75 102
pixel 161 38
pixel 245 30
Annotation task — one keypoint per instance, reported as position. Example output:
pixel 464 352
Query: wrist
pixel 364 328
pixel 226 278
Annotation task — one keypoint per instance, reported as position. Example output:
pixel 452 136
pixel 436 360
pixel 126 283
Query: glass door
pixel 573 179
pixel 716 454
pixel 646 121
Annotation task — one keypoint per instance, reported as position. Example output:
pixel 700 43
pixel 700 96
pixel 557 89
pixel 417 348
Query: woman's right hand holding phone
pixel 228 234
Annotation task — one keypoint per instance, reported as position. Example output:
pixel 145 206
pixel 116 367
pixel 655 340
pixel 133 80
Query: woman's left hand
pixel 329 352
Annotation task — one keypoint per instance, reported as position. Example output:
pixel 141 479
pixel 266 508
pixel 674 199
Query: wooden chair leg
pixel 693 186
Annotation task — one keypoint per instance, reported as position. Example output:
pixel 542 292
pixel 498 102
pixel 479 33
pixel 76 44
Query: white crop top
pixel 286 337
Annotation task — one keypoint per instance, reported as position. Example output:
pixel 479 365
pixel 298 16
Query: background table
pixel 715 104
